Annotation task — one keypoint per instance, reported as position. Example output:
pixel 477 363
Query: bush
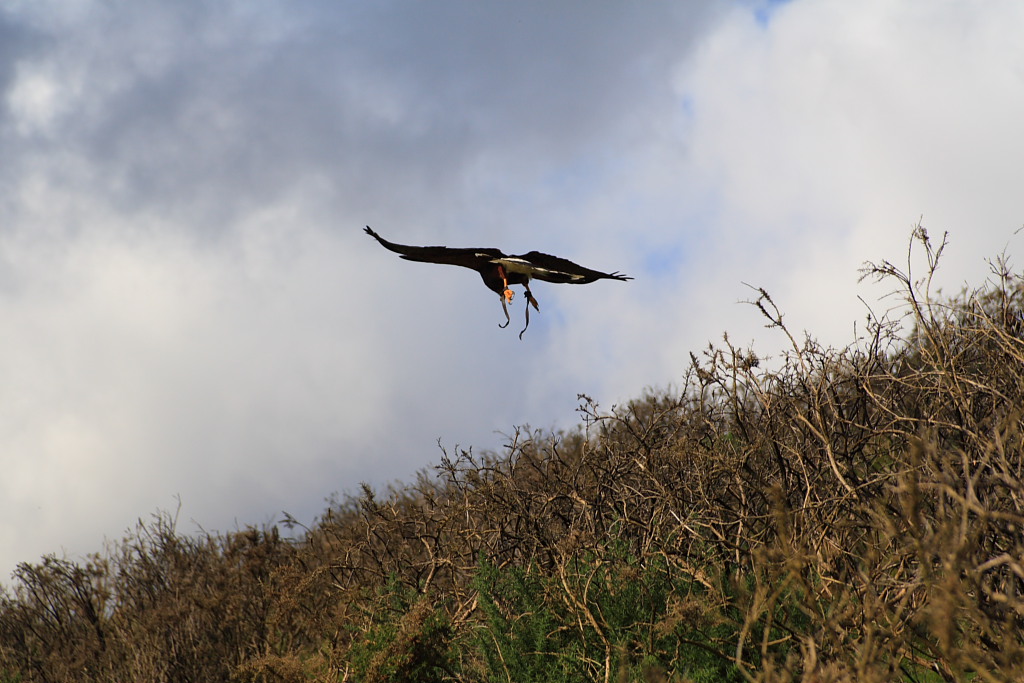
pixel 835 515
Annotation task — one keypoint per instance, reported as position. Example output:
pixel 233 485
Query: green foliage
pixel 408 639
pixel 595 616
pixel 520 638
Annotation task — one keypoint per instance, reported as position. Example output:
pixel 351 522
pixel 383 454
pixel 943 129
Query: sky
pixel 193 319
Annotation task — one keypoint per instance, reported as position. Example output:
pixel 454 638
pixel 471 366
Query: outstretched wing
pixel 468 258
pixel 554 269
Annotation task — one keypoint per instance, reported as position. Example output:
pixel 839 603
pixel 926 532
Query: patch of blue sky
pixel 679 241
pixel 764 10
pixel 685 116
pixel 579 178
pixel 665 260
pixel 687 106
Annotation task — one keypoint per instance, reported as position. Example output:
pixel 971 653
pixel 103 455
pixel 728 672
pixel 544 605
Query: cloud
pixel 836 130
pixel 191 309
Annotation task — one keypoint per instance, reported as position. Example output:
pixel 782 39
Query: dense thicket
pixel 848 514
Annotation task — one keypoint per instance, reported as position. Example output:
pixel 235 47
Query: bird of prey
pixel 499 271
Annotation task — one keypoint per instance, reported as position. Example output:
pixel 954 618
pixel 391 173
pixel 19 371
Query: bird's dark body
pixel 499 270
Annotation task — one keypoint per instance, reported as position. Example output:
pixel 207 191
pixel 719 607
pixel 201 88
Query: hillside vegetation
pixel 848 514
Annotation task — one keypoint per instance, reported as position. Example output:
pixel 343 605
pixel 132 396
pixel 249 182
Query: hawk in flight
pixel 500 271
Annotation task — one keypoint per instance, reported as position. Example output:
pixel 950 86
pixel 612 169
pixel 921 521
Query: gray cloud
pixel 219 106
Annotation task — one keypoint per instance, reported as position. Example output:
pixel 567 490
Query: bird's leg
pixel 529 301
pixel 529 298
pixel 508 293
pixel 504 309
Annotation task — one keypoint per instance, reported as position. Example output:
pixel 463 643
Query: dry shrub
pixel 828 515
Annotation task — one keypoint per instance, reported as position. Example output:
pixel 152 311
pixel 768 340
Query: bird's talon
pixel 509 294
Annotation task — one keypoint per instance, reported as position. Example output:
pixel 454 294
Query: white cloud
pixel 35 101
pixel 827 134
